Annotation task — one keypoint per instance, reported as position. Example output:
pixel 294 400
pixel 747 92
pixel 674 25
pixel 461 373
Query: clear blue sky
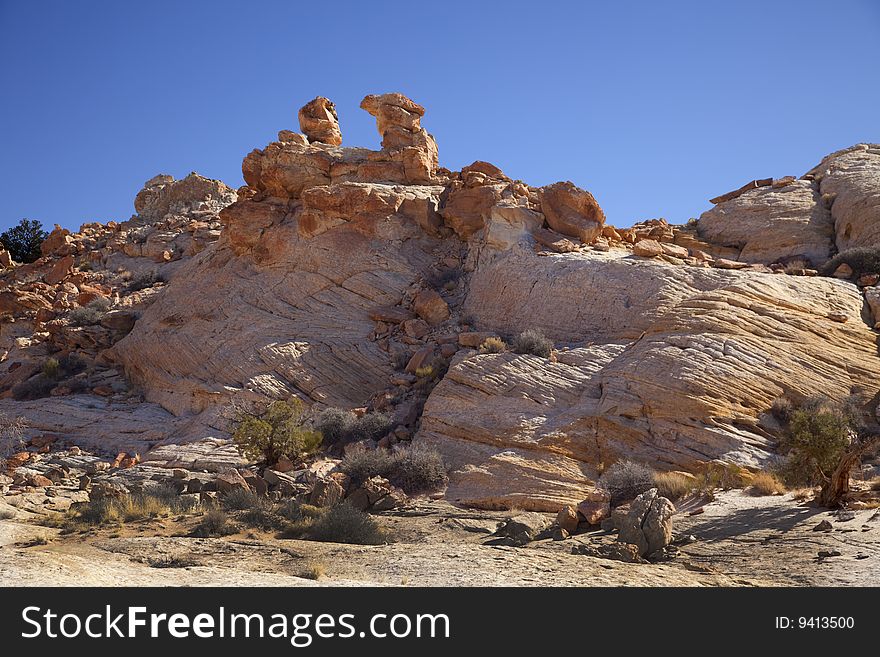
pixel 653 106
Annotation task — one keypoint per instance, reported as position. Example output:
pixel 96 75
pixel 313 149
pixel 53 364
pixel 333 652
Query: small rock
pixel 596 507
pixel 567 519
pixel 560 534
pixel 845 515
pixel 431 307
pixel 523 528
pixel 825 554
pixel 823 526
pixel 843 272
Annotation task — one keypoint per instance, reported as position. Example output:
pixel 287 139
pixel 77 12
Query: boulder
pixel 318 121
pixel 230 481
pixel 523 528
pixel 567 519
pixel 572 211
pixel 327 492
pixel 431 307
pixel 647 248
pixel 596 507
pixel 648 524
pixel 771 223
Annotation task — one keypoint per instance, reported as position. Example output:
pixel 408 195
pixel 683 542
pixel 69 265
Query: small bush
pixel 782 409
pixel 400 359
pixel 626 480
pixel 345 524
pixel 11 436
pixel 862 260
pixel 338 425
pixel 413 469
pixel 145 280
pixel 239 500
pixel 361 464
pixel 6 514
pixel 493 346
pixel 159 502
pixel 796 266
pixel 52 368
pixel 766 483
pixel 90 314
pixel 418 470
pixel 532 342
pixel 35 387
pixel 277 432
pixel 674 485
pixel 315 571
pixel 215 522
pixel 333 423
pixel 369 426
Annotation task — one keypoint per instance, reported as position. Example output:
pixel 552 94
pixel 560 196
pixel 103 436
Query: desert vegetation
pixel 861 259
pixel 278 431
pixel 413 469
pixel 343 426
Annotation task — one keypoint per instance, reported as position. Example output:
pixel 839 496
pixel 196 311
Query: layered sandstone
pixel 368 278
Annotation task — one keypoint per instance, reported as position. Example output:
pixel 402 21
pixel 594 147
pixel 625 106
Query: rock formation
pixel 319 123
pixel 371 279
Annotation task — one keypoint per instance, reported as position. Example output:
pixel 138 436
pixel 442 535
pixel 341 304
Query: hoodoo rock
pixel 398 121
pixel 318 121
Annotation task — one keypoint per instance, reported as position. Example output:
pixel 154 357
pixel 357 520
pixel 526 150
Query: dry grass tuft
pixel 674 485
pixel 766 483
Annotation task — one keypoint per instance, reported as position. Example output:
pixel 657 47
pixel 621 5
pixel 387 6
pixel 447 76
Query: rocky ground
pixel 739 540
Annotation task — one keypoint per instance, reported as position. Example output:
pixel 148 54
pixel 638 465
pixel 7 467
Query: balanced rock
pixel 572 211
pixel 318 121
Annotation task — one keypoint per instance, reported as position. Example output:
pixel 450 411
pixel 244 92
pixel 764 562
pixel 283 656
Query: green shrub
pixel 862 260
pixel 278 431
pixel 532 341
pixel 345 524
pixel 625 480
pixel 816 437
pixel 413 469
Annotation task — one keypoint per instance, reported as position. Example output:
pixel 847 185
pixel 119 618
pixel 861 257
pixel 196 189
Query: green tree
pixel 278 431
pixel 816 440
pixel 23 241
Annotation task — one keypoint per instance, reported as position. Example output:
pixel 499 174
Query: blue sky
pixel 653 106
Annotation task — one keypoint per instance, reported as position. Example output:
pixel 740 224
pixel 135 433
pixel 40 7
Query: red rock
pixel 431 307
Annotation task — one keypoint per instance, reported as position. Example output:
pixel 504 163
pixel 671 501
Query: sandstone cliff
pixel 337 274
